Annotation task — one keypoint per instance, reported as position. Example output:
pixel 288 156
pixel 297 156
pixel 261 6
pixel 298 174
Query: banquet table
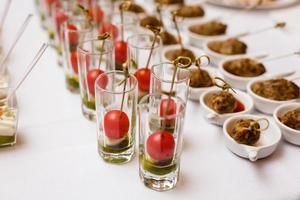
pixel 56 152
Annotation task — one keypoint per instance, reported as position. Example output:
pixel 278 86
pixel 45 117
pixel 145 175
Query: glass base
pixel 159 183
pixel 7 140
pixel 88 113
pixel 117 158
pixel 72 83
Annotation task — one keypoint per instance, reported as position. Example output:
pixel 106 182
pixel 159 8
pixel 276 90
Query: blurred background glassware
pixel 8 118
pixel 116 124
pixel 74 31
pixel 95 56
pixel 160 140
pixel 139 48
pixel 120 33
pixel 161 80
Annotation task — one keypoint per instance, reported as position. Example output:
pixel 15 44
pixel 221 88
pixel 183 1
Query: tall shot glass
pixel 116 105
pixel 95 56
pixel 139 49
pixel 74 31
pixel 159 146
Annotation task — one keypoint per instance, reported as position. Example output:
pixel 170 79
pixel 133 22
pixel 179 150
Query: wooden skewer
pixel 18 36
pixel 29 69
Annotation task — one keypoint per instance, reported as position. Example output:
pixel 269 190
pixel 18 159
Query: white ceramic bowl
pixel 219 119
pixel 196 51
pixel 262 104
pixel 198 40
pixel 290 135
pixel 216 58
pixel 195 93
pixel 266 145
pixel 235 81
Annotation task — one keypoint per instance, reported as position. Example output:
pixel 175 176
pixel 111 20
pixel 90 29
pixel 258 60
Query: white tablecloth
pixel 56 153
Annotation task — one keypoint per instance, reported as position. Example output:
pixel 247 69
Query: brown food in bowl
pixel 222 102
pixel 150 20
pixel 211 28
pixel 169 2
pixel 244 67
pixel 291 119
pixel 230 46
pixel 276 89
pixel 245 131
pixel 135 8
pixel 168 38
pixel 200 78
pixel 190 11
pixel 173 54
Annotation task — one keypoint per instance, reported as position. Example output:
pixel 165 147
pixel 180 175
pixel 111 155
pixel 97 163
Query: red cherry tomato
pixel 91 78
pixel 73 36
pixel 116 124
pixel 143 76
pixel 74 62
pixel 239 107
pixel 109 28
pixel 49 3
pixel 96 14
pixel 171 111
pixel 161 145
pixel 60 17
pixel 120 52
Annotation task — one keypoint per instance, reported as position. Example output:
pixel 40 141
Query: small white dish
pixel 262 104
pixel 219 119
pixel 265 146
pixel 235 81
pixel 216 58
pixel 198 40
pixel 291 135
pixel 197 52
pixel 195 93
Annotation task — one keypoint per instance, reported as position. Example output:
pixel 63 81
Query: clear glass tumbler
pixel 8 118
pixel 139 49
pixel 94 58
pixel 161 121
pixel 74 31
pixel 116 107
pixel 161 80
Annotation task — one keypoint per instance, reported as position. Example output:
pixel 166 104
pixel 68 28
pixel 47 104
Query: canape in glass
pixel 8 118
pixel 74 31
pixel 95 56
pixel 161 80
pixel 161 121
pixel 139 48
pixel 116 105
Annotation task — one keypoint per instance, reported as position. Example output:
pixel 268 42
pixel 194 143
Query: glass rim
pixel 132 88
pixel 81 50
pixel 169 81
pixel 12 103
pixel 180 113
pixel 156 46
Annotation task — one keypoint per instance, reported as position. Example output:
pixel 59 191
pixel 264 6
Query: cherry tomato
pixel 116 124
pixel 74 62
pixel 49 3
pixel 161 145
pixel 143 76
pixel 171 111
pixel 91 78
pixel 109 28
pixel 96 14
pixel 60 17
pixel 73 36
pixel 239 107
pixel 120 52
